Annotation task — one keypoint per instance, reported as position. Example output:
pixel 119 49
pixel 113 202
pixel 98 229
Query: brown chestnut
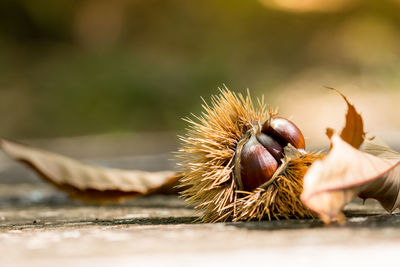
pixel 257 165
pixel 284 131
pixel 260 151
pixel 271 145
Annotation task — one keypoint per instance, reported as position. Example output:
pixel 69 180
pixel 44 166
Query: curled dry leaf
pixel 353 131
pixel 90 183
pixel 386 189
pixel 372 172
pixel 332 182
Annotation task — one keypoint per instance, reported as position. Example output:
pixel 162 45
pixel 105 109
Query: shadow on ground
pixel 41 207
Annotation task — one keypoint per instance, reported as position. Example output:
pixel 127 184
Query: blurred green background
pixel 71 68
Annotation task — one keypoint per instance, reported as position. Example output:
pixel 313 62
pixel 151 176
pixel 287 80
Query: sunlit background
pixel 107 82
pixel 72 68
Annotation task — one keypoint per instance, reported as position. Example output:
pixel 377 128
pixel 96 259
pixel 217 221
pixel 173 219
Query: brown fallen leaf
pixel 91 183
pixel 386 189
pixel 346 171
pixel 353 131
pixel 332 182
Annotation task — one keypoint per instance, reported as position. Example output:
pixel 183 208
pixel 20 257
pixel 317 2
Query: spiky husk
pixel 207 162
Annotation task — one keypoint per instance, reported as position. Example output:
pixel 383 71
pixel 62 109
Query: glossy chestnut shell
pixel 261 153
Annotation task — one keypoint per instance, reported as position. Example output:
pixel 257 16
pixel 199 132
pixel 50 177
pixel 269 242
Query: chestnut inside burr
pixel 284 131
pixel 260 153
pixel 257 163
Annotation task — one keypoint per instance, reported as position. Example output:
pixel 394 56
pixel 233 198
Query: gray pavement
pixel 40 226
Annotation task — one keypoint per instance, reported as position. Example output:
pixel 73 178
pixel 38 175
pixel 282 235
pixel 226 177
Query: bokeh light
pixel 87 67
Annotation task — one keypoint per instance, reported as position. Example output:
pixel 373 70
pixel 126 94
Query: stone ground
pixel 41 227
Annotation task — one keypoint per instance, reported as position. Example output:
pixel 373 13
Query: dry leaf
pixel 90 183
pixel 387 188
pixel 345 172
pixel 353 131
pixel 332 182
